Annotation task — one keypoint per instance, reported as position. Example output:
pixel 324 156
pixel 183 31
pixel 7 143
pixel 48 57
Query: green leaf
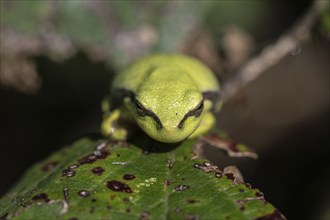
pixel 98 179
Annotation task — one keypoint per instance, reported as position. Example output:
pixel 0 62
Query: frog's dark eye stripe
pixel 195 112
pixel 142 112
pixel 140 109
pixel 213 96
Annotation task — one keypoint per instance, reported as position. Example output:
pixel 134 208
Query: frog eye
pixel 197 111
pixel 140 110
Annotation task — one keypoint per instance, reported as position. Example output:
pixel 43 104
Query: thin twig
pixel 274 53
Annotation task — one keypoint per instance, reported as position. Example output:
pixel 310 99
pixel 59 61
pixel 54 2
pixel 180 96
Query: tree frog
pixel 170 97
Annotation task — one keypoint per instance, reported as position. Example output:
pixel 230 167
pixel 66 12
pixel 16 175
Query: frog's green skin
pixel 170 97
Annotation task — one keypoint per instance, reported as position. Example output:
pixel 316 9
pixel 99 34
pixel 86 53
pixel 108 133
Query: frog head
pixel 167 109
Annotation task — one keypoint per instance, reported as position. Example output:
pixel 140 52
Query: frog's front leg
pixel 110 126
pixel 116 122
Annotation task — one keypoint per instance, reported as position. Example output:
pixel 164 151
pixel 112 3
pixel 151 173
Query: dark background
pixel 284 116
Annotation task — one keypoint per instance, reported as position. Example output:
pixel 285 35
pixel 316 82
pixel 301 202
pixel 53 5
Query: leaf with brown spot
pixel 141 187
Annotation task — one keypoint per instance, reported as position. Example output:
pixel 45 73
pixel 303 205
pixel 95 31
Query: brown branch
pixel 288 43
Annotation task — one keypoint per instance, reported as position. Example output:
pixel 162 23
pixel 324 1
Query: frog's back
pixel 132 77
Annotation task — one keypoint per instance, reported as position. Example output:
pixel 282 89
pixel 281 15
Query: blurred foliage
pixel 123 30
pixel 118 32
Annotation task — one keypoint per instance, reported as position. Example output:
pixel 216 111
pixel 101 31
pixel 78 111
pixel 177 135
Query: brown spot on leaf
pixel 208 167
pixel 234 174
pixel 68 172
pixel 169 164
pixel 191 201
pixel 259 194
pixel 96 155
pixel 90 158
pixel 181 187
pixel 43 197
pixel 145 215
pixel 128 177
pixel 167 182
pixel 117 186
pixel 97 170
pixel 230 176
pixel 49 166
pixel 276 215
pixel 248 185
